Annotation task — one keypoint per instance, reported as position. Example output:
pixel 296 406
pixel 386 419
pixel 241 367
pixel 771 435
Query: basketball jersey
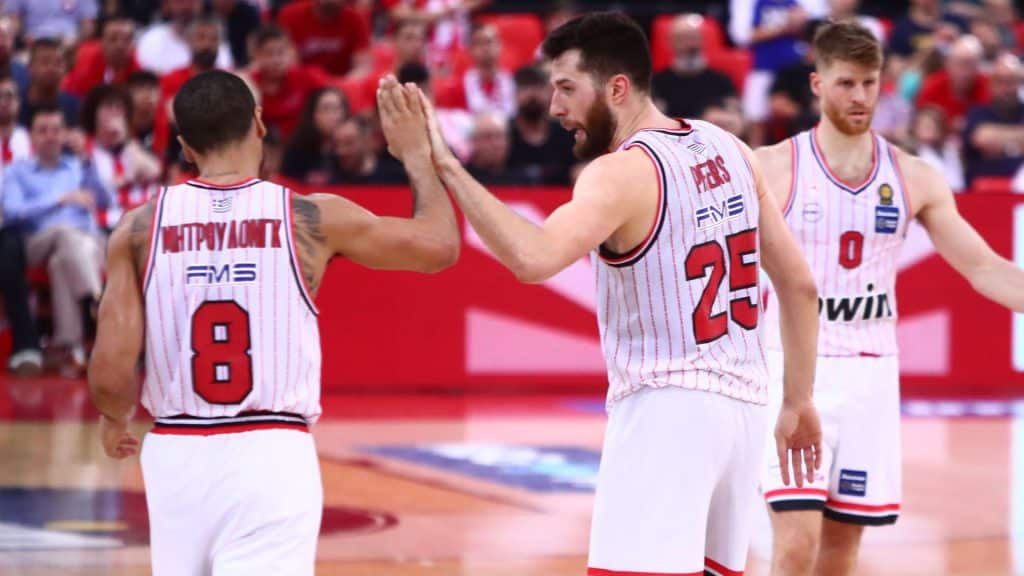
pixel 851 237
pixel 111 167
pixel 231 330
pixel 682 308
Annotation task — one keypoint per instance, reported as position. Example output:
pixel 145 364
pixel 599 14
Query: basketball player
pixel 678 221
pixel 217 277
pixel 848 197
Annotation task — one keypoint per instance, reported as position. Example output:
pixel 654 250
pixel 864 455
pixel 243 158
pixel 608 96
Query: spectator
pixel 540 149
pixel 726 114
pixel 64 20
pixel 916 32
pixel 485 87
pixel 309 156
pixel 1003 16
pixel 849 10
pixel 893 113
pixel 688 86
pixel 112 63
pixel 240 19
pixel 793 106
pixel 45 72
pixel 9 65
pixel 163 47
pixel 773 29
pixel 330 34
pixel 52 196
pixel 960 85
pixel 456 124
pixel 26 358
pixel 122 164
pixel 409 41
pixel 489 149
pixel 994 133
pixel 204 41
pixel 448 21
pixel 283 85
pixel 273 155
pixel 144 90
pixel 357 162
pixel 931 141
pixel 15 143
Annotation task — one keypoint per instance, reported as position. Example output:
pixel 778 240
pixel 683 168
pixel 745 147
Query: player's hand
pixel 117 441
pixel 438 147
pixel 798 440
pixel 402 119
pixel 79 197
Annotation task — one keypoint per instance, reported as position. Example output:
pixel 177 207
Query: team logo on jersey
pixel 716 215
pixel 885 195
pixel 220 205
pixel 812 211
pixel 213 274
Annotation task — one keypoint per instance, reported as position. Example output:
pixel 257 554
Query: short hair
pixel 214 109
pixel 100 96
pixel 266 33
pixel 413 72
pixel 142 79
pixel 44 44
pixel 45 110
pixel 115 17
pixel 610 43
pixel 847 41
pixel 530 76
pixel 205 20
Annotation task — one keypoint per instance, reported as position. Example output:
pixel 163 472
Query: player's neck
pixel 644 115
pixel 229 166
pixel 836 145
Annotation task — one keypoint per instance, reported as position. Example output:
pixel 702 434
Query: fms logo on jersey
pixel 212 274
pixel 716 215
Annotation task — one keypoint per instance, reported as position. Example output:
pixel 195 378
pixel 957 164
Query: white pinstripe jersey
pixel 230 325
pixel 851 236
pixel 682 308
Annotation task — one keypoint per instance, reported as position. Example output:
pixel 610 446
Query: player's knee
pixel 795 552
pixel 839 536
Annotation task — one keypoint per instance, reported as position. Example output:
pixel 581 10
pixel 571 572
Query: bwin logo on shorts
pixel 714 215
pixel 853 482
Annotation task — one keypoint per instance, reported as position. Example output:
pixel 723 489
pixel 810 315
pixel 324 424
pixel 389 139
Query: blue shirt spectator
pixel 62 19
pixel 35 194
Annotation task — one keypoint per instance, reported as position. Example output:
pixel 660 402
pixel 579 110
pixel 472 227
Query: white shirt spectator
pixel 161 50
pixel 497 96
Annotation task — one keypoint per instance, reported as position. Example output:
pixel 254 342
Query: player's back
pixel 231 330
pixel 682 308
pixel 851 235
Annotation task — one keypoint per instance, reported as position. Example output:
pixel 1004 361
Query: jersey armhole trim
pixel 636 254
pixel 154 228
pixel 794 164
pixel 293 256
pixel 903 184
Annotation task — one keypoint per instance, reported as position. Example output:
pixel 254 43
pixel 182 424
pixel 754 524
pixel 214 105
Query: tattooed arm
pixel 113 382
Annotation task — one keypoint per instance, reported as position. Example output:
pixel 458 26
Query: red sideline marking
pixel 226 428
pixel 796 491
pixel 863 507
pixel 722 570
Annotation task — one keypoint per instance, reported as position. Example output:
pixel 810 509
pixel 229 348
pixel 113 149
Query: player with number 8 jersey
pixel 215 280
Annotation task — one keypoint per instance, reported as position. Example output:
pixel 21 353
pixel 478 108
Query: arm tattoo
pixel 139 229
pixel 310 238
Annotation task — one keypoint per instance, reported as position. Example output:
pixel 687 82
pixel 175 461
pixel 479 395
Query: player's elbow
pixel 438 254
pixel 532 271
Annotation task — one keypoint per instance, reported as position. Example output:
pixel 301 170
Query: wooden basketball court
pixel 475 486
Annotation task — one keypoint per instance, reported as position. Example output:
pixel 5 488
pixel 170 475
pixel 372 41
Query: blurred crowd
pixel 87 126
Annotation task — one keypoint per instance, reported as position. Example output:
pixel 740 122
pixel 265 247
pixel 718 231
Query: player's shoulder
pixel 916 172
pixel 777 156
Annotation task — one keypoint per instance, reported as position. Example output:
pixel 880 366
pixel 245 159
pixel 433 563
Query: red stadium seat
pixel 991 185
pixel 661 46
pixel 735 64
pixel 521 35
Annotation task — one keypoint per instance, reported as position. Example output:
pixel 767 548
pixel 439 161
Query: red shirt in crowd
pixel 938 91
pixel 329 44
pixel 91 70
pixel 282 109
